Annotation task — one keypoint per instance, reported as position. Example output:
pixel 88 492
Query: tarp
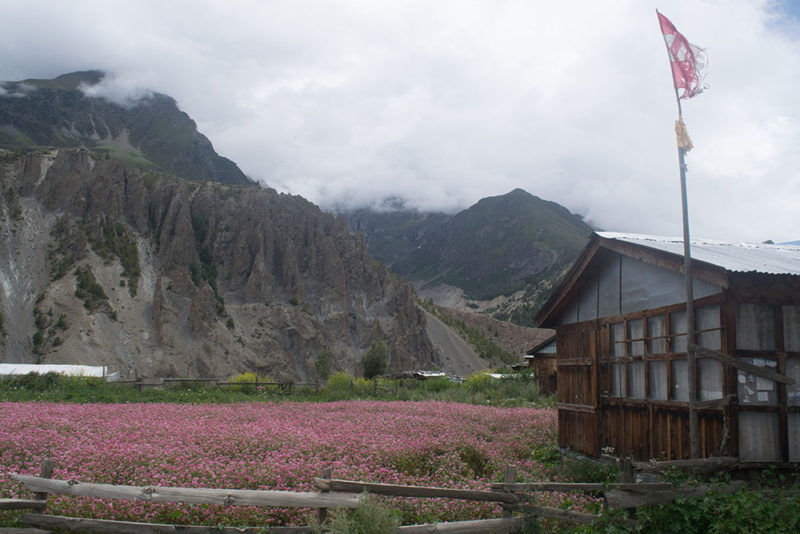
pixel 74 370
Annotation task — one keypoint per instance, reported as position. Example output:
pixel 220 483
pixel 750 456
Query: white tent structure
pixel 72 370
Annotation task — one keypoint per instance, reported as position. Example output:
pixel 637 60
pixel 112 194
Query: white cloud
pixel 123 91
pixel 442 103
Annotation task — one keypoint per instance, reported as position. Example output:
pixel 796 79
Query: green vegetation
pixel 375 359
pixel 92 293
pixel 131 156
pixel 61 256
pixel 47 329
pixel 371 517
pixel 514 390
pixel 11 137
pixel 485 348
pixel 774 506
pixel 322 365
pixel 13 203
pixel 113 239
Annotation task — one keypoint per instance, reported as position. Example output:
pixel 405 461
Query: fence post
pixel 323 512
pixel 46 472
pixel 626 470
pixel 509 478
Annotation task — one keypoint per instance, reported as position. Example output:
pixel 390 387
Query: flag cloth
pixel 687 60
pixel 684 142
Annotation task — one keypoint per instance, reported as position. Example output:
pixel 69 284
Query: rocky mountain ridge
pixel 149 131
pixel 501 256
pixel 105 263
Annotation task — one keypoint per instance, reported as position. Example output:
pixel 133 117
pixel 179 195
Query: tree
pixel 323 364
pixel 374 361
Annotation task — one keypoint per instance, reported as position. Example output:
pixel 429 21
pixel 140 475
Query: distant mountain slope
pixel 150 132
pixel 102 263
pixel 502 245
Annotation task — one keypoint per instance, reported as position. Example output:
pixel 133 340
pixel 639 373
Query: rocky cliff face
pixel 104 263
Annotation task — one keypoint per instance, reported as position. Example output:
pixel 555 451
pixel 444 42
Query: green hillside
pixel 498 246
pixel 150 132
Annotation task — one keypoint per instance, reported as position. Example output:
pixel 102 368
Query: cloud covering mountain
pixel 443 103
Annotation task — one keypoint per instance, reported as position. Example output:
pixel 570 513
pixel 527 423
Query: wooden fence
pixel 156 383
pixel 333 493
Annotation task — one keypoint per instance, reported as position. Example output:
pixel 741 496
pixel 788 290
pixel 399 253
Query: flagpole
pixel 691 361
pixel 690 327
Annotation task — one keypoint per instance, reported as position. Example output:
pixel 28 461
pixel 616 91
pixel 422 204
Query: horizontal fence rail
pixel 226 497
pixel 80 524
pixel 334 493
pixel 397 490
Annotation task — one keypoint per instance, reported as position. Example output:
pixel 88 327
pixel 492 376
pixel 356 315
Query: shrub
pixel 322 365
pixel 247 381
pixel 339 383
pixel 375 359
pixel 475 459
pixel 90 291
pixel 370 517
pixel 478 382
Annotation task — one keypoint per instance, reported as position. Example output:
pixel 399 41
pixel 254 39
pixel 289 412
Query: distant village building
pixel 542 359
pixel 620 317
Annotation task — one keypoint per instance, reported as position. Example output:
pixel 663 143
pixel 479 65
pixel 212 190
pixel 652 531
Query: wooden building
pixel 620 317
pixel 542 359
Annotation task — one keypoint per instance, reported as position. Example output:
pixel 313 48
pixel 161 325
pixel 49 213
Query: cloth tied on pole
pixel 682 134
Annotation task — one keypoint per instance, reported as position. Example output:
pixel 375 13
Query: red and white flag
pixel 687 60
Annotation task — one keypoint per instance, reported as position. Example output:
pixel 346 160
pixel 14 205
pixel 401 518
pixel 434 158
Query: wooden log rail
pixel 227 497
pixel 336 493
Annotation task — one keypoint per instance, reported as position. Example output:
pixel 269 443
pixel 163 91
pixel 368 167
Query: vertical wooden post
pixel 509 478
pixel 323 512
pixel 626 470
pixel 46 472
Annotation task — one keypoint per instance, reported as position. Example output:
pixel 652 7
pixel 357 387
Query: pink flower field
pixel 270 446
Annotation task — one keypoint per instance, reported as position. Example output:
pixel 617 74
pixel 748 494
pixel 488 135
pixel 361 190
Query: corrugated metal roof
pixel 739 257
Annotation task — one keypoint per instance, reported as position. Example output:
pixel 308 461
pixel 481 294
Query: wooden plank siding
pixel 590 419
pixel 577 388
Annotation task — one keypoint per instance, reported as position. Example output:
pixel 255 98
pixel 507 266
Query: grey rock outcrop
pixel 106 264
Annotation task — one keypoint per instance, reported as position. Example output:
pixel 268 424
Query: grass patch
pixel 340 386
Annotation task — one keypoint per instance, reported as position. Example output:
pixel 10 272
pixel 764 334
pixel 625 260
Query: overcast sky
pixel 441 103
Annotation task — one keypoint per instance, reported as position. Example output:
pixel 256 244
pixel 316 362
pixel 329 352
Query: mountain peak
pixel 75 110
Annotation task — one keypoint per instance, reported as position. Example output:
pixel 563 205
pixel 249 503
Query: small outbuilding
pixel 542 359
pixel 620 318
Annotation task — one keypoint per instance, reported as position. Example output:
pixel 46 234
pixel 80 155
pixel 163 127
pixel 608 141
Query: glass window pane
pixel 677 330
pixel 794 437
pixel 707 318
pixel 791 328
pixel 636 370
pixel 754 389
pixel 710 372
pixel 658 380
pixel 793 390
pixel 617 335
pixel 656 331
pixel 680 380
pixel 755 326
pixel 636 335
pixel 618 380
